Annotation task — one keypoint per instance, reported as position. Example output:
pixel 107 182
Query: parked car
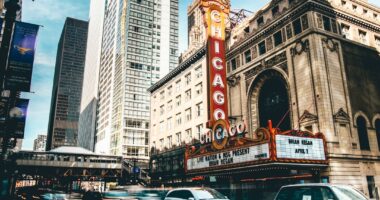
pixel 194 194
pixel 319 191
pixel 150 194
pixel 92 195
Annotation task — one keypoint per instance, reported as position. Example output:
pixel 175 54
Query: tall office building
pixel 87 118
pixel 139 45
pixel 67 86
pixel 39 143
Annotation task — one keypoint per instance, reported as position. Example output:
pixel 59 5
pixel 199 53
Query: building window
pixel 305 22
pixel 170 90
pixel 199 130
pixel 198 89
pixel 188 114
pixel 188 95
pixel 188 135
pixel 260 21
pixel 297 26
pixel 179 139
pixel 275 11
pixel 162 95
pixel 178 86
pixel 277 38
pixel 354 7
pixel 362 133
pixel 170 142
pixel 377 127
pixel 377 41
pixel 178 100
pixel 365 11
pixel 170 105
pixel 333 26
pixel 247 56
pixel 162 127
pixel 198 109
pixel 161 143
pixel 162 110
pixel 343 3
pixel 371 187
pixel 326 23
pixel 375 15
pixel 345 31
pixel 262 48
pixel 233 64
pixel 363 36
pixel 188 79
pixel 170 123
pixel 178 119
pixel 198 71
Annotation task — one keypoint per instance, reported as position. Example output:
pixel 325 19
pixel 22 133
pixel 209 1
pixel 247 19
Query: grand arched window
pixel 274 103
pixel 377 127
pixel 361 126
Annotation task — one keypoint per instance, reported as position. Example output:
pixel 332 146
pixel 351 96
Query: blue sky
pixel 51 14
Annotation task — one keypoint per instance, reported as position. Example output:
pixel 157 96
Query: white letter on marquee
pixel 217 47
pixel 218 81
pixel 216 31
pixel 217 63
pixel 218 97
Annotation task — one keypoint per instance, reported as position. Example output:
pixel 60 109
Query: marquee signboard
pixel 226 146
pixel 216 13
pixel 239 155
pixel 292 147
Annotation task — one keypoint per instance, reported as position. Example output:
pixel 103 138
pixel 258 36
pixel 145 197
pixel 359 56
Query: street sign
pixel 136 170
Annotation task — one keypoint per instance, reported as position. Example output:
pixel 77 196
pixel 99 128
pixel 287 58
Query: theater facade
pixel 303 103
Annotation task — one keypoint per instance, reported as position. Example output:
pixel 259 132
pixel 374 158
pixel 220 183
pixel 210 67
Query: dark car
pixel 92 195
pixel 150 194
pixel 319 191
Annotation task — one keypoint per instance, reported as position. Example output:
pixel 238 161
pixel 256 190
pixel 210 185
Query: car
pixel 92 195
pixel 321 191
pixel 150 194
pixel 194 194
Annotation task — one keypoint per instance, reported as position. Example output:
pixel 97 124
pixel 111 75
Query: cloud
pixel 43 58
pixel 48 10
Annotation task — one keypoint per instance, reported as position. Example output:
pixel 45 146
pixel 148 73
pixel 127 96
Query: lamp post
pixel 11 7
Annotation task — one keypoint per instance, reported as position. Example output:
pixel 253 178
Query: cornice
pixel 181 67
pixel 316 5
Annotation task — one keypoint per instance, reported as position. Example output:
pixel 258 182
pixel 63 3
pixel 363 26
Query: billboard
pixel 215 14
pixel 14 124
pixel 293 147
pixel 21 57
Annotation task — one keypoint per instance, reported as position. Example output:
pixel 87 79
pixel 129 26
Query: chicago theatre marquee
pixel 293 96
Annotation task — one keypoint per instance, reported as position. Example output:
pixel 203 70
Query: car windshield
pixel 208 194
pixel 345 192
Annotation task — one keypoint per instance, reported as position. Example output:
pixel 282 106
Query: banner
pixel 21 57
pixel 15 125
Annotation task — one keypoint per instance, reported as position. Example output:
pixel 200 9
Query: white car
pixel 312 191
pixel 194 194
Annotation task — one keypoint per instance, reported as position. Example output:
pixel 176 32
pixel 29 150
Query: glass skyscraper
pixel 67 85
pixel 139 46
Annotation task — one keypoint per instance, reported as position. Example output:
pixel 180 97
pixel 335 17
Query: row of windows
pixel 290 30
pixel 364 11
pixel 179 138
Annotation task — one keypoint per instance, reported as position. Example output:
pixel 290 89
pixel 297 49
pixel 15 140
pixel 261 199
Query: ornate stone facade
pixel 327 55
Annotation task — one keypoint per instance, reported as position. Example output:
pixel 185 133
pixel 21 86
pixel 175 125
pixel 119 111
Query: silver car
pixel 319 191
pixel 194 194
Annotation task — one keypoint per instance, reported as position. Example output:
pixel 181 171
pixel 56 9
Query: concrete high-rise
pixel 67 85
pixel 39 143
pixel 87 118
pixel 139 45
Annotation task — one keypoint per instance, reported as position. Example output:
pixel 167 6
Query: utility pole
pixel 11 7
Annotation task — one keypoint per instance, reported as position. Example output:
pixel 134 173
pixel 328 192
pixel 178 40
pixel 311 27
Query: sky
pixel 51 15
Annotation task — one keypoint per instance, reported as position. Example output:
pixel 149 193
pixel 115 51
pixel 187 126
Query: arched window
pixel 274 104
pixel 377 127
pixel 361 126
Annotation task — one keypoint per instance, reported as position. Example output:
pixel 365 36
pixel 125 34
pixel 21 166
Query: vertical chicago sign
pixel 216 13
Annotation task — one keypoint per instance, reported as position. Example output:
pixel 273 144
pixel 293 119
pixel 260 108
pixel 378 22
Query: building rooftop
pixel 72 150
